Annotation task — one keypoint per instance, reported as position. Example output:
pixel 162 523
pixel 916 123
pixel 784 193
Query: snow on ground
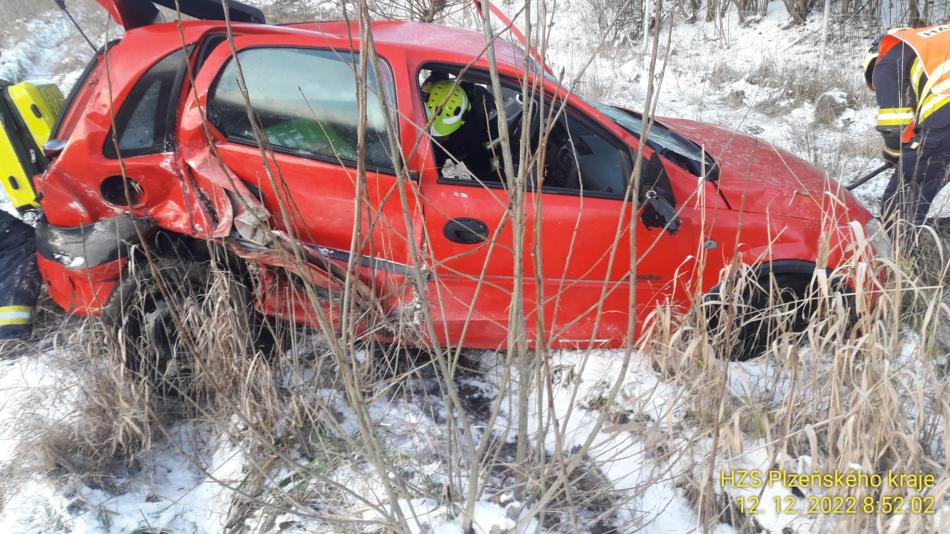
pixel 166 491
pixel 720 73
pixel 166 487
pixel 26 384
pixel 624 450
pixel 25 60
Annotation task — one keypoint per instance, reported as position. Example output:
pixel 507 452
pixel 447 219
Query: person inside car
pixel 460 115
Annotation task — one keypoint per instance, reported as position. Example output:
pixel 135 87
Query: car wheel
pixel 754 311
pixel 142 319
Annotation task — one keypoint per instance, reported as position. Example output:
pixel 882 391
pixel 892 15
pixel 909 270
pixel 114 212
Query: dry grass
pixel 842 394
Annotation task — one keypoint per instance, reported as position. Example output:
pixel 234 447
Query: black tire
pixel 762 309
pixel 141 313
pixel 141 318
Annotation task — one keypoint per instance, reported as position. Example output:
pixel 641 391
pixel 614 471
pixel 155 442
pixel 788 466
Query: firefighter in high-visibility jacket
pixel 19 281
pixel 909 71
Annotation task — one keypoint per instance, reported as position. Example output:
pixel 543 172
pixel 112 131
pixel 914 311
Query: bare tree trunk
pixel 694 7
pixel 798 10
pixel 824 33
pixel 913 13
pixel 645 33
pixel 712 6
pixel 433 10
pixel 749 8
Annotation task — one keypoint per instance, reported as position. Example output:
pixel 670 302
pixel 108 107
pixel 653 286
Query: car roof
pixel 424 40
pixel 419 40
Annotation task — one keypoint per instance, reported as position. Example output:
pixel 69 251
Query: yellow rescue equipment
pixel 28 113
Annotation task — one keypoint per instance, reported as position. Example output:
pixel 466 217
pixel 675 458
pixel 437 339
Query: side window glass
pixel 580 157
pixel 312 112
pixel 462 121
pixel 139 131
pixel 146 122
pixel 463 124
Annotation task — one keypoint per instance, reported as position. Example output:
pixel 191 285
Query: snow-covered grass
pixel 629 441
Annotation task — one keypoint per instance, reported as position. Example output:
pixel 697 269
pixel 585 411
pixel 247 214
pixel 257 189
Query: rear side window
pixel 146 122
pixel 306 103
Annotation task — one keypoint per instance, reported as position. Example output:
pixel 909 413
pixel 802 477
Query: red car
pixel 192 169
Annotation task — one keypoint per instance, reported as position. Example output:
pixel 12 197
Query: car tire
pixel 142 318
pixel 746 325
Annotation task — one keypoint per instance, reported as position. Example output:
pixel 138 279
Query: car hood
pixel 758 177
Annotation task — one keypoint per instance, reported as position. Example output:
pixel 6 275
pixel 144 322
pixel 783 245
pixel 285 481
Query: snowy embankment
pixel 195 476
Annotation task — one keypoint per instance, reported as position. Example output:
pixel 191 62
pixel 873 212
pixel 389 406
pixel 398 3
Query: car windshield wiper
pixel 694 166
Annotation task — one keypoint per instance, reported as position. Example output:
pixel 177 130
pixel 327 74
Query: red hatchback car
pixel 255 144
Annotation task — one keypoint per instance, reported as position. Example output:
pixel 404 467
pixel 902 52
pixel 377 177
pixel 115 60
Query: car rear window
pixel 306 103
pixel 145 124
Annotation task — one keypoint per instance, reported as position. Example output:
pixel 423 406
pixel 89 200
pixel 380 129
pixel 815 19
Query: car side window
pixel 579 156
pixel 305 101
pixel 145 124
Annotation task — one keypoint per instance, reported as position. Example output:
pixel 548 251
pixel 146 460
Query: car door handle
pixel 466 231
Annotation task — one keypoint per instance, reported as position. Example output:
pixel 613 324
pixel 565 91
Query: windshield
pixel 668 143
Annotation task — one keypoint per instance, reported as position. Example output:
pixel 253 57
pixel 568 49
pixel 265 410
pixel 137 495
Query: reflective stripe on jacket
pixel 16 315
pixel 929 74
pixel 19 281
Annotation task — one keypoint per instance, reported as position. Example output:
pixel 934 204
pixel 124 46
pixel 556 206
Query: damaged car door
pixel 578 266
pixel 283 114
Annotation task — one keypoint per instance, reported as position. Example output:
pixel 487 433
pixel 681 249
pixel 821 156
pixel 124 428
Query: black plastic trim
pixel 377 264
pixel 214 10
pixel 96 244
pixel 786 267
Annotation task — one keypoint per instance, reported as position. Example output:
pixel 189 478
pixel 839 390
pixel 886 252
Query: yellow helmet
pixel 447 103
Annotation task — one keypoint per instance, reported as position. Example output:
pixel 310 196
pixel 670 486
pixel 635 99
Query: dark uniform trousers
pixel 924 165
pixel 19 281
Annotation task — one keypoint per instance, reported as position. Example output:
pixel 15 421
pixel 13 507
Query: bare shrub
pixel 284 11
pixel 107 417
pixel 621 21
